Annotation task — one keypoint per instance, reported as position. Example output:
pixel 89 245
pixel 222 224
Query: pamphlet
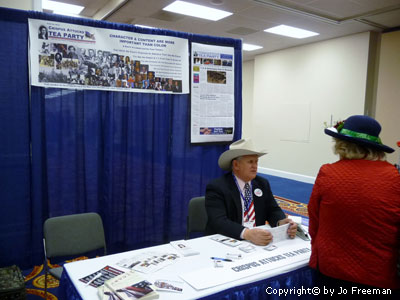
pixel 183 248
pixel 169 285
pixel 98 278
pixel 279 233
pixel 130 285
pixel 247 247
pixel 148 262
pixel 226 240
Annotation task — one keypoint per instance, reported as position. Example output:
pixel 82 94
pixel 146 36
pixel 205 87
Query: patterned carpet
pixel 34 282
pixel 292 207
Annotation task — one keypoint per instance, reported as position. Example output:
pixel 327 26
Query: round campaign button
pixel 258 192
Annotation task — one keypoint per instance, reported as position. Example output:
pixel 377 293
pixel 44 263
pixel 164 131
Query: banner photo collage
pixel 212 91
pixel 72 56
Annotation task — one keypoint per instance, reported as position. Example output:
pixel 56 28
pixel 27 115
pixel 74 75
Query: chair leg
pixel 45 279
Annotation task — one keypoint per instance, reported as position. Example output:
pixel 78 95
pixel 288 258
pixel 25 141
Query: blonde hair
pixel 349 150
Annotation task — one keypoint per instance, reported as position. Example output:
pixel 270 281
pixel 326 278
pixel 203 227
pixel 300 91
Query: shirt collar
pixel 241 183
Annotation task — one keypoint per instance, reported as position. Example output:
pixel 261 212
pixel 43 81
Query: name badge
pixel 249 224
pixel 258 192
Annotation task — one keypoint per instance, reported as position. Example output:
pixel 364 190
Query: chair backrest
pixel 73 234
pixel 197 216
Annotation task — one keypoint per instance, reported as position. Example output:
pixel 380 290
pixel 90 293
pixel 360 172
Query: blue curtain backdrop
pixel 124 155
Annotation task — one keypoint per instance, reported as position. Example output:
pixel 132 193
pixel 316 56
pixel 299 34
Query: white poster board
pixel 212 93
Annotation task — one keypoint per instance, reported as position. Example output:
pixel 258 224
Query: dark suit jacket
pixel 224 208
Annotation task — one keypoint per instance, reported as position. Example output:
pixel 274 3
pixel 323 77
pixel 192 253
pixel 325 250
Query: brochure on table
pixel 148 262
pixel 183 248
pixel 98 278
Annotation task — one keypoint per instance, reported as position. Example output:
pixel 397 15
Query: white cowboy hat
pixel 239 148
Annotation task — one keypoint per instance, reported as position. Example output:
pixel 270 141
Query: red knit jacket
pixel 354 224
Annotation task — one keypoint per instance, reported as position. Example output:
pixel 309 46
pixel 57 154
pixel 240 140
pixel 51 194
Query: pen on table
pixel 93 279
pixel 223 259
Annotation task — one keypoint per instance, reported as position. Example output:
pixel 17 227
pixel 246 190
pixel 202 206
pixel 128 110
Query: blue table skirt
pixel 294 283
pixel 67 289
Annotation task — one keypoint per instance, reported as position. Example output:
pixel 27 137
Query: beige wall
pixel 295 91
pixel 388 92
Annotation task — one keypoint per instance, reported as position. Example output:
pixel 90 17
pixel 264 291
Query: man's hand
pixel 292 227
pixel 258 236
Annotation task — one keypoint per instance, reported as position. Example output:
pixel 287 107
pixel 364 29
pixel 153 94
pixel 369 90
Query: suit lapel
pixel 256 199
pixel 235 195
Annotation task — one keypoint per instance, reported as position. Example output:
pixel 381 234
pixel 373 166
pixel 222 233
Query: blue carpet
pixel 290 189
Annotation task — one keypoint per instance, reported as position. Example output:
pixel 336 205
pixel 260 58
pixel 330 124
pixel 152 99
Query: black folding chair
pixel 197 216
pixel 71 235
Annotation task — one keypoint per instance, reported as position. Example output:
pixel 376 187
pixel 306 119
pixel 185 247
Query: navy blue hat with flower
pixel 362 130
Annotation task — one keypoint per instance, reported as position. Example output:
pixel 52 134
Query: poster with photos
pixel 212 93
pixel 74 56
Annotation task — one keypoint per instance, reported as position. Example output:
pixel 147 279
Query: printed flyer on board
pixel 74 56
pixel 212 93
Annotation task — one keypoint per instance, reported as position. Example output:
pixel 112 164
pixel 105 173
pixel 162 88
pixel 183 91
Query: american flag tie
pixel 249 205
pixel 247 195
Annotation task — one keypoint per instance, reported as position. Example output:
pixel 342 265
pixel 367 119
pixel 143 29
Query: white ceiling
pixel 330 18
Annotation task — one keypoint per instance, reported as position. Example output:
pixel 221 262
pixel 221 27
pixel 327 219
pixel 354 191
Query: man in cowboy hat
pixel 240 200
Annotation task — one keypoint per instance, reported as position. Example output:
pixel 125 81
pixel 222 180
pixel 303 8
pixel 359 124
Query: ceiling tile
pixel 389 19
pixel 340 9
pixel 242 31
pixel 250 18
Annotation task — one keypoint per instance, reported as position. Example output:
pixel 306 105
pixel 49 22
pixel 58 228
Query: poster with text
pixel 212 93
pixel 73 56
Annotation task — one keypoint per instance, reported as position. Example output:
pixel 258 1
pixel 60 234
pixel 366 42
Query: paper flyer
pixel 212 93
pixel 148 262
pixel 98 278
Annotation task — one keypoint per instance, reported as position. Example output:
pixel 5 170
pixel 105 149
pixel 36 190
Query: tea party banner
pixel 74 56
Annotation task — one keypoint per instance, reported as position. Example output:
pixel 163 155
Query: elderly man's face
pixel 245 167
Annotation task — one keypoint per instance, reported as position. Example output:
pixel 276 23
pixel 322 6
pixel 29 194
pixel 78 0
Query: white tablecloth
pixel 187 266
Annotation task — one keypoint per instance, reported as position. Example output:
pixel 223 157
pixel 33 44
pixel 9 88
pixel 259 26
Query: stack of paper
pixel 183 248
pixel 127 286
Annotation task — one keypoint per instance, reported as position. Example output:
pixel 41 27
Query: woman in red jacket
pixel 354 213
